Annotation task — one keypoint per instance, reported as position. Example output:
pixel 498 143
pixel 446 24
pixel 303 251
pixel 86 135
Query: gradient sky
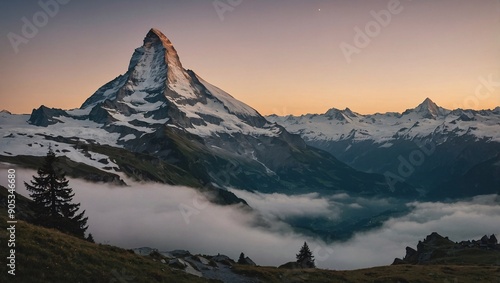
pixel 279 56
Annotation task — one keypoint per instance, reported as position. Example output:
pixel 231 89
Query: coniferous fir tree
pixel 90 238
pixel 305 257
pixel 241 260
pixel 52 200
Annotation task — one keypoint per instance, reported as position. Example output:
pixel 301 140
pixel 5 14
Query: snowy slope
pixel 227 100
pixel 17 137
pixel 426 120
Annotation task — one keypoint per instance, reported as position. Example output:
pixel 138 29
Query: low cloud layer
pixel 172 217
pixel 283 206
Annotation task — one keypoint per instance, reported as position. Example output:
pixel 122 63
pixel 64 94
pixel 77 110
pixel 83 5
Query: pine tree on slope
pixel 241 260
pixel 52 200
pixel 305 257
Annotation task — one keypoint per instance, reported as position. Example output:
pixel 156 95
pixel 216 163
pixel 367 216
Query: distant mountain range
pixel 160 122
pixel 444 153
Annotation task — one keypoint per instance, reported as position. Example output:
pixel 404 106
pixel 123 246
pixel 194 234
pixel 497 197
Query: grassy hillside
pixel 383 274
pixel 47 255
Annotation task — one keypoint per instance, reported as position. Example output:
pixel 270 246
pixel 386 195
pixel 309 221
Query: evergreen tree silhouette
pixel 305 257
pixel 241 260
pixel 90 238
pixel 52 200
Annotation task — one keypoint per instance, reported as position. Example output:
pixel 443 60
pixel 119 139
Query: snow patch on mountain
pixel 18 137
pixel 426 120
pixel 230 102
pixel 223 121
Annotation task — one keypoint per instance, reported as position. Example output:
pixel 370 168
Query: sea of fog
pixel 174 217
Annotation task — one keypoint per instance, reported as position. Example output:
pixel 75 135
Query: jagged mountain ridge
pixel 160 111
pixel 435 145
pixel 340 125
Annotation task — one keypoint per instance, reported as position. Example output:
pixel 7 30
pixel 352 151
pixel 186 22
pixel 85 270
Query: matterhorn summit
pixel 161 122
pixel 156 88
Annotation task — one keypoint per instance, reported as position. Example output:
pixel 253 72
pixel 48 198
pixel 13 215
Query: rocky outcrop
pixel 44 116
pixel 218 267
pixel 177 263
pixel 438 249
pixel 485 242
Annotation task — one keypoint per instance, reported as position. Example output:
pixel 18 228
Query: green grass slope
pixel 47 255
pixel 382 274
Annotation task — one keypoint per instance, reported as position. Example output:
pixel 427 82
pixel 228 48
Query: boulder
pixel 177 263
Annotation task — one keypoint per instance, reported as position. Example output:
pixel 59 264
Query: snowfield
pixel 426 120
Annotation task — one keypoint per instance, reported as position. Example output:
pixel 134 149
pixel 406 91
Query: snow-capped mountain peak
pixel 157 89
pixel 337 114
pixel 345 115
pixel 171 56
pixel 425 120
pixel 428 109
pixel 156 64
pixel 154 70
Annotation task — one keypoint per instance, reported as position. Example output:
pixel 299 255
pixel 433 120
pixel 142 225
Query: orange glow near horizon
pixel 285 61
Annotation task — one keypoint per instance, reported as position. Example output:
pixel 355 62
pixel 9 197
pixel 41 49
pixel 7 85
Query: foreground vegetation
pixel 382 274
pixel 47 255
